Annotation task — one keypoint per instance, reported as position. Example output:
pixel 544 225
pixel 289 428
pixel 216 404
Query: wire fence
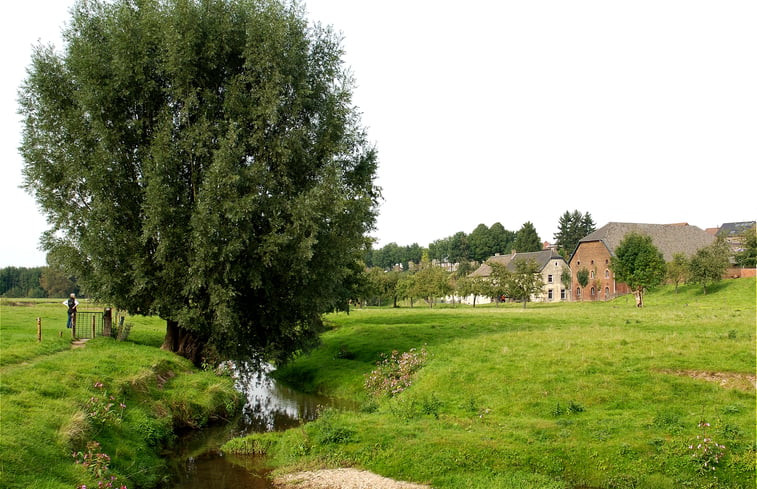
pixel 88 324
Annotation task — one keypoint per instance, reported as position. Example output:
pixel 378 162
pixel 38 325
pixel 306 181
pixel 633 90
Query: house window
pixel 607 273
pixel 592 262
pixel 591 275
pixel 607 292
pixel 578 292
pixel 549 293
pixel 562 294
pixel 549 278
pixel 592 291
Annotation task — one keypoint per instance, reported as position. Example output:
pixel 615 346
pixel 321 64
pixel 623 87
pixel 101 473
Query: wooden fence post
pixel 39 329
pixel 107 322
pixel 73 325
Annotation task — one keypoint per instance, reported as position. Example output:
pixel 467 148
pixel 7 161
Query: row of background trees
pixel 484 242
pixel 466 250
pixel 428 283
pixel 36 282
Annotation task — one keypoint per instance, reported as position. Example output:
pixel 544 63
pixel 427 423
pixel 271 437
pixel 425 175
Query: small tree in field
pixel 524 281
pixel 709 264
pixel 498 281
pixel 474 286
pixel 582 276
pixel 677 271
pixel 430 282
pixel 747 257
pixel 639 264
pixel 405 288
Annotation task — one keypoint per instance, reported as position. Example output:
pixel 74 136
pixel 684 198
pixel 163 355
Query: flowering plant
pixel 103 408
pixel 394 373
pixel 706 452
pixel 93 459
pixel 97 463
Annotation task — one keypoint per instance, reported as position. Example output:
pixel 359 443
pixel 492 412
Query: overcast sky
pixel 505 111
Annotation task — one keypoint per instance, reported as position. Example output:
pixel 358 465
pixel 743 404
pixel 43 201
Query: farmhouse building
pixel 594 253
pixel 551 266
pixel 733 233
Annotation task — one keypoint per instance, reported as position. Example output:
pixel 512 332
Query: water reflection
pixel 270 406
pixel 196 461
pixel 214 470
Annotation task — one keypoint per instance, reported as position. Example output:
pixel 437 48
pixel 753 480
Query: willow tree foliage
pixel 202 160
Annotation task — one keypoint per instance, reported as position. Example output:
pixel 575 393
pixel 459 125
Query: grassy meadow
pixel 575 395
pixel 55 401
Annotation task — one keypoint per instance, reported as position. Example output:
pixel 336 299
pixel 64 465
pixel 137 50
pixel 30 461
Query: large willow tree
pixel 201 160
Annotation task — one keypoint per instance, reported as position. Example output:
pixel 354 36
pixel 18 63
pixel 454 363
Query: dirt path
pixel 727 380
pixel 79 343
pixel 341 479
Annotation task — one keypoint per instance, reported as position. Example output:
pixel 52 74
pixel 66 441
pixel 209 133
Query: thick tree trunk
pixel 183 342
pixel 639 298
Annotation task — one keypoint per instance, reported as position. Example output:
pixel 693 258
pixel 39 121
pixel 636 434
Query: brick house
pixel 595 252
pixel 551 266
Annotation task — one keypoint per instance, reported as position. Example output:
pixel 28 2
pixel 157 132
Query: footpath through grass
pixel 110 405
pixel 590 395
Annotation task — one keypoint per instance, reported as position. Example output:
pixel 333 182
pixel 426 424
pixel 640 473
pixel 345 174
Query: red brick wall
pixel 740 273
pixel 595 257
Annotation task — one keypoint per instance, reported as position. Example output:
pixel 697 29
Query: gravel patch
pixel 341 479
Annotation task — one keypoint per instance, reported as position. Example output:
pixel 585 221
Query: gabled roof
pixel 542 258
pixel 735 228
pixel 668 238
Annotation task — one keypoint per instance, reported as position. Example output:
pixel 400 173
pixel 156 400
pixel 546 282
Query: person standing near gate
pixel 71 303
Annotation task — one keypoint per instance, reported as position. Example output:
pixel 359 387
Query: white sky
pixel 508 111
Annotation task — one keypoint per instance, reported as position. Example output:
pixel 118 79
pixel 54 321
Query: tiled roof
pixel 542 258
pixel 735 228
pixel 668 238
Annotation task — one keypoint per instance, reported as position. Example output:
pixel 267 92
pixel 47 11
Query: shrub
pixel 96 462
pixel 706 452
pixel 328 429
pixel 394 373
pixel 103 408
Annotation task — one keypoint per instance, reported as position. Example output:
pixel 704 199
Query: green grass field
pixel 54 400
pixel 578 395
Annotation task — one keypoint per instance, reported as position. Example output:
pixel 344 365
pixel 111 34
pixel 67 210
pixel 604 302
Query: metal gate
pixel 88 324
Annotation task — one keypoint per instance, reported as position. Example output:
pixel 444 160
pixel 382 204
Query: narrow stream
pixel 196 460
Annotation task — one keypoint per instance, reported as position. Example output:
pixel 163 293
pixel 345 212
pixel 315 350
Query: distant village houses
pixel 595 252
pixel 550 264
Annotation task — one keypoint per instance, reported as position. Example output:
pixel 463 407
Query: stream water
pixel 196 460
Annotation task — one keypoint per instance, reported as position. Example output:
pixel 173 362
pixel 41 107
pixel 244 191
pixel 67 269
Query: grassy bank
pixel 129 397
pixel 592 395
